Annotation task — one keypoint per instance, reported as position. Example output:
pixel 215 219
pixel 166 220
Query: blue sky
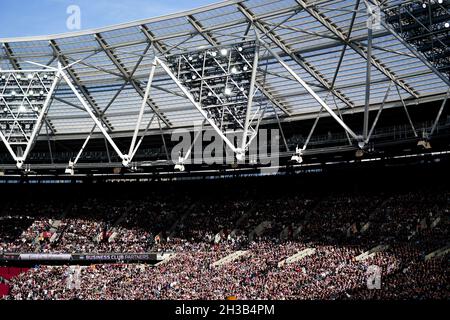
pixel 39 17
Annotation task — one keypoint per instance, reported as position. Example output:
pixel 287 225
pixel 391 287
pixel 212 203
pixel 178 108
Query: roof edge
pixel 125 25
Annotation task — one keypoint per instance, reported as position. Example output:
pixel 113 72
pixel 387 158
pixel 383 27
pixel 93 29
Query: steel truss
pixel 245 114
pixel 14 115
pixel 24 110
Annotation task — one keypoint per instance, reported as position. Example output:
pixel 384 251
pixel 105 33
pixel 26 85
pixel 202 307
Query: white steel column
pixel 144 103
pixel 125 158
pixel 251 95
pixel 37 125
pixel 199 108
pixel 311 91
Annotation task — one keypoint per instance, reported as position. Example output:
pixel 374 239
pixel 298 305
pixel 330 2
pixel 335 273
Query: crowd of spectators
pixel 338 226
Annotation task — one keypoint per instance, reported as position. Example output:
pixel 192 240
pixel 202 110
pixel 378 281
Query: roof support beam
pixel 368 79
pixel 80 86
pixel 417 54
pixel 16 66
pixel 325 21
pixel 344 49
pixel 441 109
pixel 136 85
pixel 379 113
pixel 214 42
pixel 124 157
pixel 161 48
pixel 198 106
pixel 296 57
pixel 11 57
pixel 312 93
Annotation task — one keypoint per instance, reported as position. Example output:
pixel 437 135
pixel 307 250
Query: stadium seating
pixel 393 230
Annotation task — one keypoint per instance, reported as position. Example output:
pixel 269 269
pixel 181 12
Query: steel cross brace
pixel 311 92
pixel 60 75
pixel 240 153
pixel 126 158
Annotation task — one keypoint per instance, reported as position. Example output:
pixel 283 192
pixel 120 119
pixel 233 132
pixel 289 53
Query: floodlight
pixel 22 109
pixel 213 53
pixel 227 91
pixel 245 68
pixel 447 25
pixel 224 52
pixel 19 164
pixel 13 93
pixel 440 1
pixel 179 167
pixel 240 49
pixel 30 76
pixel 210 94
pixel 194 77
pixel 234 70
pixel 297 157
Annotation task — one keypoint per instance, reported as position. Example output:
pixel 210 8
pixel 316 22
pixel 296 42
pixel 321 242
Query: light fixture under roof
pixel 22 108
pixel 211 86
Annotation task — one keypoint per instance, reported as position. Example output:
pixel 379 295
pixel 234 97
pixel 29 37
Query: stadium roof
pixel 312 37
